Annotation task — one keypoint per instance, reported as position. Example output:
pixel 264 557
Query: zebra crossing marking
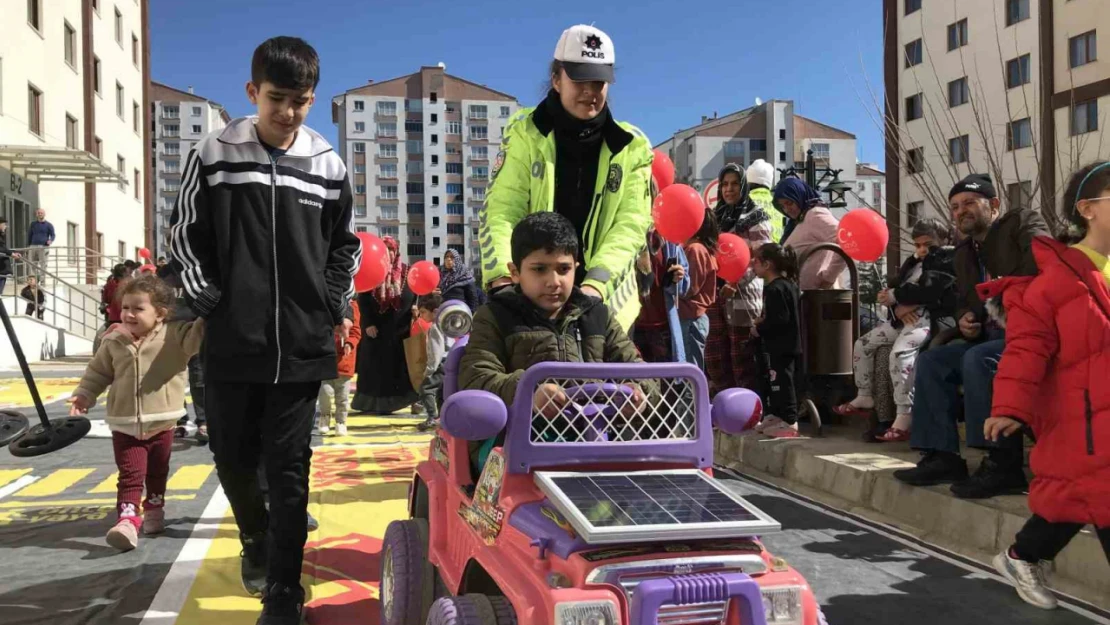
pixel 56 483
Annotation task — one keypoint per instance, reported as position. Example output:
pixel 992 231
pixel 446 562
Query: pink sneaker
pixel 123 535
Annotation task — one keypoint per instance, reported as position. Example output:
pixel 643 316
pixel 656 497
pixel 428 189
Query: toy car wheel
pixel 472 610
pixel 408 579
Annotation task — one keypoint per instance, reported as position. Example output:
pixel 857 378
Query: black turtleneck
pixel 577 152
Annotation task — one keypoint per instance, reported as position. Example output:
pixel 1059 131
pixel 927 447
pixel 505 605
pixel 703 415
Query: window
pixel 71 131
pixel 414 188
pixel 782 158
pixel 1082 49
pixel 389 192
pixel 454 168
pixel 414 208
pixel 361 106
pixel 196 111
pixel 479 193
pixel 435 181
pixel 388 231
pixel 456 209
pixel 196 129
pixel 360 168
pixel 384 108
pixel 121 167
pixel 70 45
pixel 913 213
pixel 360 189
pixel 451 107
pixel 136 116
pixel 360 210
pixel 958 149
pixel 360 229
pixel 34 14
pixel 434 119
pixel 170 148
pixel 957 92
pixel 134 50
pixel 760 145
pixel 119 100
pixel 414 106
pixel 913 6
pixel 171 112
pixel 451 148
pixel 505 111
pixel 913 53
pixel 387 170
pixel 360 126
pixel 119 28
pixel 479 132
pixel 1020 195
pixel 1016 11
pixel 72 241
pixel 1019 134
pixel 914 108
pixel 479 152
pixel 385 150
pixel 171 130
pixel 414 125
pixel 360 147
pixel 734 149
pixel 478 111
pixel 455 229
pixel 481 173
pixel 957 35
pixel 1084 117
pixel 435 159
pixel 389 212
pixel 454 128
pixel 387 130
pixel 414 146
pixel 416 250
pixel 435 139
pixel 172 187
pixel 173 166
pixel 96 75
pixel 414 167
pixel 137 185
pixel 433 97
pixel 820 150
pixel 34 110
pixel 1017 71
pixel 435 202
pixel 454 189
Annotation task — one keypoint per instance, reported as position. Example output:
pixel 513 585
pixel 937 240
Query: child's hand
pixel 549 400
pixel 635 403
pixel 884 297
pixel 678 273
pixel 728 291
pixel 78 405
pixel 347 349
pixel 996 427
pixel 344 329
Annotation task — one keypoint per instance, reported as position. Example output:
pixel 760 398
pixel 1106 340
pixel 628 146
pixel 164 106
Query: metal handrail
pixel 78 302
pixel 72 262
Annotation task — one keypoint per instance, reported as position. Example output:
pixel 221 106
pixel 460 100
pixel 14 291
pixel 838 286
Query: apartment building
pixel 1013 88
pixel 419 149
pixel 770 131
pixel 73 77
pixel 180 119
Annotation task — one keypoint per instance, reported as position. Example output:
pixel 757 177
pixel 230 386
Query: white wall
pixel 39 341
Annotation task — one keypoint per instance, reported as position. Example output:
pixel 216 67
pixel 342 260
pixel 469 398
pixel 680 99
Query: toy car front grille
pixel 712 613
pixel 604 410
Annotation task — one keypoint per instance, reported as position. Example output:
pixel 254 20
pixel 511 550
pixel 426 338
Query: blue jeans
pixel 938 374
pixel 694 335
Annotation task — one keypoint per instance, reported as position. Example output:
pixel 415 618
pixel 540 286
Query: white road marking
pixel 22 482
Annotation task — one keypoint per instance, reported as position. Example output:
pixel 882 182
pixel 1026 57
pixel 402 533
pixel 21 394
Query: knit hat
pixel 975 183
pixel 761 172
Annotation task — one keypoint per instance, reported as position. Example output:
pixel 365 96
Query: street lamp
pixel 836 187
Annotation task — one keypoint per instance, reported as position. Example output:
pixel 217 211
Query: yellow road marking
pixel 56 483
pixel 190 477
pixel 78 502
pixel 107 486
pixel 10 475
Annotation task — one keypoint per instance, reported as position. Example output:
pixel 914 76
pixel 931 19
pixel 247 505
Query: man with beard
pixel 993 246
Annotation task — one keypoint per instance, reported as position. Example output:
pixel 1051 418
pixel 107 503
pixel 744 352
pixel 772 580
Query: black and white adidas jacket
pixel 266 252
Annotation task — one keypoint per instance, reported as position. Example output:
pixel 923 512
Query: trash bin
pixel 830 320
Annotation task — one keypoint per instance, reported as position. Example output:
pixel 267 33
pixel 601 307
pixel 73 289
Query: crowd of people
pixel 573 270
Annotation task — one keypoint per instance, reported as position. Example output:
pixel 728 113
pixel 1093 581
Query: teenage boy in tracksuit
pixel 263 240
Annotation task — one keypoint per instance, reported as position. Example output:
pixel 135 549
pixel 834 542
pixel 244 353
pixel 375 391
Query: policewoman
pixel 571 156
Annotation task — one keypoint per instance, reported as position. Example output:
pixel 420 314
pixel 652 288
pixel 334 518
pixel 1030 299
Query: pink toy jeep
pixel 606 514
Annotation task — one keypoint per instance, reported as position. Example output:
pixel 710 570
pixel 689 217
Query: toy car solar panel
pixel 651 505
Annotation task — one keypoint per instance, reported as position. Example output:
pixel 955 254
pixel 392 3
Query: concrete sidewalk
pixel 843 471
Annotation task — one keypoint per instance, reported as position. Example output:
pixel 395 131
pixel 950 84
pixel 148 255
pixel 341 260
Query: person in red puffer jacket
pixel 1052 379
pixel 337 389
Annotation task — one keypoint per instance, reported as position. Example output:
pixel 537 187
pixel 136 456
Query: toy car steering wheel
pixel 584 404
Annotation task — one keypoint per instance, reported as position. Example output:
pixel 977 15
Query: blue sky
pixel 676 61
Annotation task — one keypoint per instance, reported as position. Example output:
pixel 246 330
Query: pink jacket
pixel 823 270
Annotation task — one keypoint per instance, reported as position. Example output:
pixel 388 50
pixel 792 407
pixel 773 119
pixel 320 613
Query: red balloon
pixel 662 169
pixel 423 277
pixel 144 253
pixel 148 268
pixel 733 257
pixel 678 213
pixel 375 263
pixel 863 235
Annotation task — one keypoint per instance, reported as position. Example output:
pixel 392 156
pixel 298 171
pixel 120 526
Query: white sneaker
pixel 322 424
pixel 769 421
pixel 340 429
pixel 1027 578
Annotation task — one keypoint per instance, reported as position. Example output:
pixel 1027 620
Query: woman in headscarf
pixel 811 223
pixel 730 356
pixel 457 281
pixel 383 376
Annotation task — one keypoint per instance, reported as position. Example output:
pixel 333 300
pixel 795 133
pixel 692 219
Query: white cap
pixel 761 172
pixel 587 54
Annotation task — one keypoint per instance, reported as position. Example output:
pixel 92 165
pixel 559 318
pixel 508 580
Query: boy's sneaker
pixel 428 424
pixel 769 421
pixel 123 535
pixel 323 424
pixel 154 521
pixel 310 522
pixel 202 434
pixel 281 605
pixel 781 430
pixel 935 468
pixel 253 563
pixel 340 429
pixel 1027 578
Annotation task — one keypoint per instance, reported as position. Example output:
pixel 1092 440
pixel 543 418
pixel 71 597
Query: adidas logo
pixel 308 202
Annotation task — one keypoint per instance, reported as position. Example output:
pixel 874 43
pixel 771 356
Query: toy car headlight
pixel 586 613
pixel 454 319
pixel 782 605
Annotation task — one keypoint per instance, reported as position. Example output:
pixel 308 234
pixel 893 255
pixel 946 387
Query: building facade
pixel 181 119
pixel 419 149
pixel 73 129
pixel 770 131
pixel 1013 88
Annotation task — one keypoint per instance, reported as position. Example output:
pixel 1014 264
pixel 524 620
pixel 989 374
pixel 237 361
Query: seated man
pixel 544 317
pixel 994 246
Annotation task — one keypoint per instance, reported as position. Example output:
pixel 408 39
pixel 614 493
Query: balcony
pixel 476 201
pixel 385 178
pixel 478 179
pixel 175 174
pixel 478 115
pixel 171 115
pixel 388 200
pixel 385 116
pixel 381 136
pixel 479 160
pixel 479 139
pixel 170 191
